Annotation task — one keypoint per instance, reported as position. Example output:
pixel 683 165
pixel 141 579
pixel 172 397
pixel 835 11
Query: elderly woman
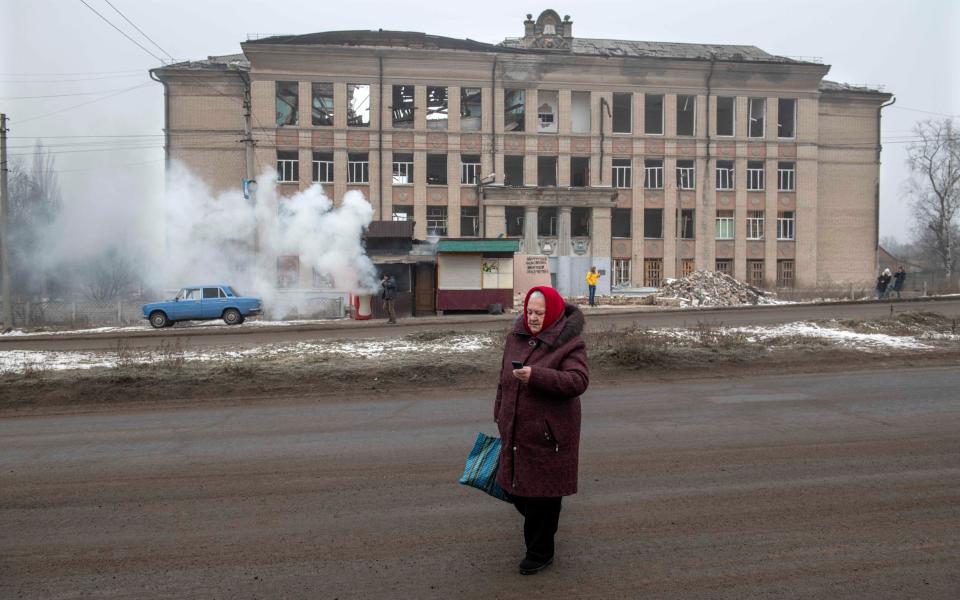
pixel 544 371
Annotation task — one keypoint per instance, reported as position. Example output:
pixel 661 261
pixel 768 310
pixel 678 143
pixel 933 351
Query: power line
pixel 61 95
pixel 70 73
pixel 82 103
pixel 55 81
pixel 928 112
pixel 115 148
pixel 138 29
pixel 122 32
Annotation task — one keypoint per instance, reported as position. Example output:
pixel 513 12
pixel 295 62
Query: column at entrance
pixel 530 230
pixel 563 231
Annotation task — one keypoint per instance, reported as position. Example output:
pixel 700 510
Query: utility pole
pixel 4 238
pixel 248 146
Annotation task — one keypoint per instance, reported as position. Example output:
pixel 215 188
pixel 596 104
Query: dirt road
pixel 245 336
pixel 828 486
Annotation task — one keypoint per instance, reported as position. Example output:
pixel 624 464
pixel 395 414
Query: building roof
pixel 640 49
pixel 212 63
pixel 481 245
pixel 827 86
pixel 362 37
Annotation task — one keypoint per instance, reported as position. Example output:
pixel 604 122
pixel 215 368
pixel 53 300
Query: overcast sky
pixel 60 47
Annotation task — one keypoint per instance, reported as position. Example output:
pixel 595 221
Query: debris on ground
pixel 710 288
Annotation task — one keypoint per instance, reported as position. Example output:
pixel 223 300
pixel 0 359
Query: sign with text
pixel 530 270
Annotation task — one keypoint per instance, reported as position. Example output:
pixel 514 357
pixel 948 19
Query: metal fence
pixel 78 314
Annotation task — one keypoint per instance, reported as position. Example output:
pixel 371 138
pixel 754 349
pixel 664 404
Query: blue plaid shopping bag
pixel 481 468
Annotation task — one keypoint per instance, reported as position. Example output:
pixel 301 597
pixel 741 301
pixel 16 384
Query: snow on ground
pixel 22 361
pixel 180 325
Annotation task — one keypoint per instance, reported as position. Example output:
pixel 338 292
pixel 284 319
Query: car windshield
pixel 230 291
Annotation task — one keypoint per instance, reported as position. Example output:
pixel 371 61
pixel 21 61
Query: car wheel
pixel 159 319
pixel 242 319
pixel 170 323
pixel 232 316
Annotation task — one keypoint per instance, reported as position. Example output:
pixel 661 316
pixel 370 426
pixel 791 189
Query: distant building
pixel 645 159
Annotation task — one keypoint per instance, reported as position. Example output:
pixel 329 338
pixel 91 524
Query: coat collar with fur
pixel 567 327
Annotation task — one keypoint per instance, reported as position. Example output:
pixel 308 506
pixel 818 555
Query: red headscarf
pixel 555 305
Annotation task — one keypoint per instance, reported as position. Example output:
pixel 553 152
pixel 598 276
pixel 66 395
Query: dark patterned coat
pixel 539 421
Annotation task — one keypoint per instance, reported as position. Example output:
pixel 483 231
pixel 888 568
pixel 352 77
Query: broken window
pixel 580 221
pixel 546 171
pixel 579 171
pixel 622 173
pixel 469 221
pixel 622 113
pixel 288 271
pixel 402 168
pixel 786 176
pixel 725 266
pixel 785 224
pixel 620 224
pixel 437 108
pixel 755 273
pixel 547 108
pixel 786 117
pixel 725 227
pixel 402 212
pixel 621 272
pixel 323 167
pixel 785 272
pixel 358 167
pixel 513 171
pixel 755 175
pixel 322 280
pixel 580 112
pixel 437 221
pixel 322 104
pixel 652 272
pixel 686 175
pixel 653 223
pixel 726 115
pixel 402 106
pixel 758 115
pixel 687 231
pixel 653 114
pixel 288 166
pixel 653 173
pixel 547 221
pixel 514 110
pixel 755 224
pixel 358 105
pixel 725 175
pixel 469 168
pixel 471 109
pixel 437 169
pixel 686 115
pixel 514 216
pixel 686 266
pixel 288 93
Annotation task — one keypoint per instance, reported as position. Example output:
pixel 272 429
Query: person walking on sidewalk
pixel 898 279
pixel 537 411
pixel 592 277
pixel 882 282
pixel 389 294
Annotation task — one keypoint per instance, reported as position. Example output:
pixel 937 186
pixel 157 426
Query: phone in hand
pixel 516 364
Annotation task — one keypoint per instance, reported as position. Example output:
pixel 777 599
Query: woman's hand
pixel 523 374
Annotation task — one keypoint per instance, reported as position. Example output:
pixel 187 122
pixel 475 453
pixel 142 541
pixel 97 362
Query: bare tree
pixel 934 189
pixel 109 276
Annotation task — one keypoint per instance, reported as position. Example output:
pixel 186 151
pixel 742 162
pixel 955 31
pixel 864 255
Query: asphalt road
pixel 826 486
pixel 242 336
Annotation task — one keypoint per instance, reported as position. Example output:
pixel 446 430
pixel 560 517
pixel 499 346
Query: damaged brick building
pixel 646 159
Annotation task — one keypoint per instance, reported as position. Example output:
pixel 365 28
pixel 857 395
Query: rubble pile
pixel 612 300
pixel 709 288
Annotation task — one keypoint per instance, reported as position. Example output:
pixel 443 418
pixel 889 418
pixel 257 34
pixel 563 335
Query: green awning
pixel 491 245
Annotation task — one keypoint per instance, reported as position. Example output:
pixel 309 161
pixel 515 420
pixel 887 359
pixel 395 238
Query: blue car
pixel 203 302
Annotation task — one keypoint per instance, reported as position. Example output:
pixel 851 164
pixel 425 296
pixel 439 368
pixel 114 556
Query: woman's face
pixel 536 309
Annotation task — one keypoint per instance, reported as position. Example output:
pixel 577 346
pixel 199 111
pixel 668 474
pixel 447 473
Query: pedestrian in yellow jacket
pixel 592 277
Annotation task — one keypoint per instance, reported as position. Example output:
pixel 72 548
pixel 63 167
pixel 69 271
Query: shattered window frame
pixel 621 223
pixel 322 104
pixel 514 217
pixel 287 103
pixel 358 105
pixel 437 169
pixel 686 115
pixel 469 221
pixel 547 166
pixel 580 100
pixel 757 119
pixel 686 174
pixel 438 107
pixel 653 223
pixel 621 107
pixel 581 218
pixel 402 168
pixel 547 218
pixel 402 107
pixel 726 175
pixel 726 116
pixel 402 212
pixel 514 109
pixel 579 171
pixel 621 273
pixel 687 224
pixel 513 166
pixel 548 111
pixel 786 128
pixel 437 220
pixel 288 271
pixel 471 109
pixel 653 114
